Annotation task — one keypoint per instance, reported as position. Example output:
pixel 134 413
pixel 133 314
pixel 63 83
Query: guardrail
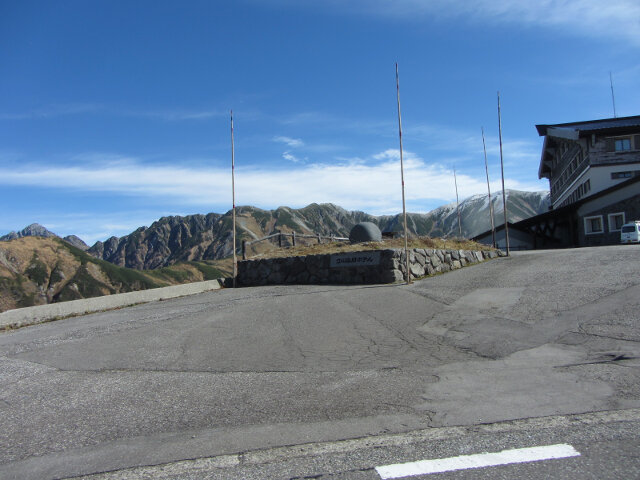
pixel 293 236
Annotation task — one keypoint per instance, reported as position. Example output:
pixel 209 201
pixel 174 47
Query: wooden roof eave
pixel 546 159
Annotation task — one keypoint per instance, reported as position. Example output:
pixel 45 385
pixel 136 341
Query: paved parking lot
pixel 230 372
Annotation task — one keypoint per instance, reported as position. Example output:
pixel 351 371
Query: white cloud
pixel 307 118
pixel 389 154
pixel 292 158
pixel 618 19
pixel 52 111
pixel 291 142
pixel 371 184
pixel 175 115
pixel 59 110
pixel 393 154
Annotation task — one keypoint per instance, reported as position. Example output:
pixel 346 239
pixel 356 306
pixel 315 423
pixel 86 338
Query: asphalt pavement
pixel 213 379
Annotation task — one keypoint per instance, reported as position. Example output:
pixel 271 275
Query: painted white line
pixel 505 457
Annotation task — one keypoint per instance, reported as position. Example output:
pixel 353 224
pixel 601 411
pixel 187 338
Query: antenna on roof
pixel 613 98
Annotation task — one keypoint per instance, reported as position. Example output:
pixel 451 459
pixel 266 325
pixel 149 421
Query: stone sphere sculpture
pixel 365 232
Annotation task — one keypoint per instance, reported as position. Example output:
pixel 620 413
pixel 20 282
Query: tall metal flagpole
pixel 486 168
pixel 404 209
pixel 233 195
pixel 613 98
pixel 455 181
pixel 504 198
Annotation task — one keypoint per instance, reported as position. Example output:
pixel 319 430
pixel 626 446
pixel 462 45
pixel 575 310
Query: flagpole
pixel 233 196
pixel 455 181
pixel 504 198
pixel 404 209
pixel 613 98
pixel 486 168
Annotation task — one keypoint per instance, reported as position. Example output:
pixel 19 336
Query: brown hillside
pixel 38 271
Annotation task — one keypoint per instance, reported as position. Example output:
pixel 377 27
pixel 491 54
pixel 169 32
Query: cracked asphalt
pixel 537 334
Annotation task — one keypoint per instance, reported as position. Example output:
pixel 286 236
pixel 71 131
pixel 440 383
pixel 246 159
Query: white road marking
pixel 505 457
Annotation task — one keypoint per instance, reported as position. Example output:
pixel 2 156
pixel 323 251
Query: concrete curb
pixel 41 313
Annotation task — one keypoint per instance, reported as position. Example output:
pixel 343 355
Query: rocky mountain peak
pixel 33 230
pixel 76 242
pixel 37 230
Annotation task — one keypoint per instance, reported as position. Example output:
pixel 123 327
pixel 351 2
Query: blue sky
pixel 116 113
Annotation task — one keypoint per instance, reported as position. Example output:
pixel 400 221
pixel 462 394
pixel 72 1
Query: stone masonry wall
pixel 365 267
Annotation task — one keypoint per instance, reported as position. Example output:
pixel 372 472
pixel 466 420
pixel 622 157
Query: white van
pixel 630 232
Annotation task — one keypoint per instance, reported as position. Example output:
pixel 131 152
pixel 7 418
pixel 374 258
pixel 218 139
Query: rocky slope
pixel 474 212
pixel 39 270
pixel 208 237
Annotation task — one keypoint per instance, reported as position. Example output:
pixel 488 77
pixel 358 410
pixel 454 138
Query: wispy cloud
pixel 616 19
pixel 448 145
pixel 52 111
pixel 307 118
pixel 290 157
pixel 61 110
pixel 174 115
pixel 366 184
pixel 291 142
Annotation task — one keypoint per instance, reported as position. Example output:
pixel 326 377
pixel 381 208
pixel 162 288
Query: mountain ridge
pixel 37 230
pixel 38 270
pixel 199 237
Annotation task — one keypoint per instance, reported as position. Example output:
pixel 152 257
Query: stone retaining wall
pixel 42 313
pixel 364 267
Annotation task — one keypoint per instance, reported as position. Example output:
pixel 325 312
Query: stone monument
pixel 365 232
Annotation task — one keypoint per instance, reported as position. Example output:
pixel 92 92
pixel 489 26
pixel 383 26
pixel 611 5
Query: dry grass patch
pixel 339 247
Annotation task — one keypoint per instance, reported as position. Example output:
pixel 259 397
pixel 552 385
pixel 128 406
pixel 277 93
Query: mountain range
pixel 38 267
pixel 36 270
pixel 37 230
pixel 209 237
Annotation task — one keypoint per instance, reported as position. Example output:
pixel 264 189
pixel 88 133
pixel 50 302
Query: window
pixel 619 175
pixel 616 220
pixel 593 225
pixel 622 144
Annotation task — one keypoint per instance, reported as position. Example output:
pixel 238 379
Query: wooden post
pixel 319 239
pixel 293 236
pixel 404 209
pixel 233 195
pixel 504 198
pixel 279 239
pixel 244 249
pixel 486 167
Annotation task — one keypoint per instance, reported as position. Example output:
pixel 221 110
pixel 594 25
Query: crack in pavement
pixel 613 359
pixel 582 332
